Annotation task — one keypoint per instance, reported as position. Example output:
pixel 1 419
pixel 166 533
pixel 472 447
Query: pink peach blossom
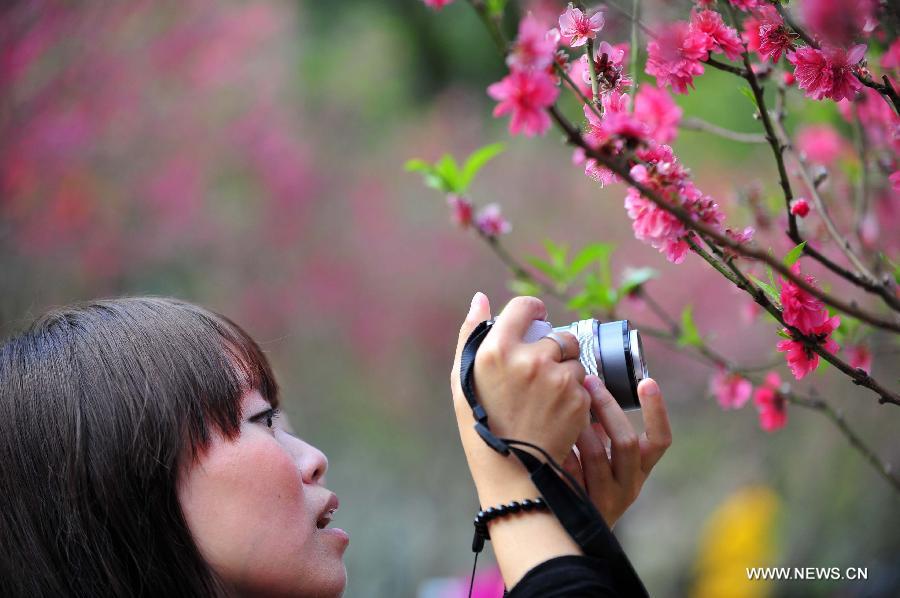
pixel 656 109
pixel 827 73
pixel 576 27
pixel 820 144
pixel 891 58
pixel 533 48
pixel 799 308
pixel 460 209
pixel 609 66
pixel 802 360
pixel 491 222
pixel 674 56
pixel 731 390
pixel 859 356
pixel 744 5
pixel 436 4
pixel 650 223
pixel 837 22
pixel 525 94
pixel 770 404
pixel 774 39
pixel 720 37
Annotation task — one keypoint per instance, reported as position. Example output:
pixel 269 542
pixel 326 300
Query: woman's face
pixel 258 510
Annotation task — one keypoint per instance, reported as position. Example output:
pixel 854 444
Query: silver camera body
pixel 611 350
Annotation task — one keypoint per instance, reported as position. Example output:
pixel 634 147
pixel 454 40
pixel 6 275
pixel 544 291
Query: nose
pixel 312 462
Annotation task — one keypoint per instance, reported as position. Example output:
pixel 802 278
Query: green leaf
pixel 783 334
pixel 748 93
pixel 632 278
pixel 521 286
pixel 768 289
pixel 690 336
pixel 556 252
pixel 495 7
pixel 599 252
pixel 417 165
pixel 551 271
pixel 476 161
pixel 429 173
pixel 793 255
pixel 448 171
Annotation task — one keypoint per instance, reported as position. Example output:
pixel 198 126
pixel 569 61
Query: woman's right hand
pixel 527 392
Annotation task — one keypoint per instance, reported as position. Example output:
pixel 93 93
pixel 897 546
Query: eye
pixel 268 417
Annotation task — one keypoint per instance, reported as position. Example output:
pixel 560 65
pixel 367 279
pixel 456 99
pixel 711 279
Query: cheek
pixel 245 506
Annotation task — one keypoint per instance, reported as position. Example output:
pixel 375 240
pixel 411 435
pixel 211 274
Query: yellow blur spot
pixel 737 535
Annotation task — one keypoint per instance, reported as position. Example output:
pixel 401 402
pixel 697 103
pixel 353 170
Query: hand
pixel 521 407
pixel 527 392
pixel 613 480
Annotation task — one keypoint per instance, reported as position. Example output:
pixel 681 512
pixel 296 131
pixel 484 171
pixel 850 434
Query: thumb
pixel 479 311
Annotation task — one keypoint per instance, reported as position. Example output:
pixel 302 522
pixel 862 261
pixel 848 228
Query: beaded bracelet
pixel 489 514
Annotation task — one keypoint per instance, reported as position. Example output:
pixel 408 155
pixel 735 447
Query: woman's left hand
pixel 614 479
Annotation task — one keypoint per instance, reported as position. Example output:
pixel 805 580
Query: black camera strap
pixel 568 501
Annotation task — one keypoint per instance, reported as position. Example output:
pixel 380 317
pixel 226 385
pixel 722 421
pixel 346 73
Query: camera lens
pixel 611 350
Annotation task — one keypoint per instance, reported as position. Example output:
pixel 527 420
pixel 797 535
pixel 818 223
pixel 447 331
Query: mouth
pixel 327 514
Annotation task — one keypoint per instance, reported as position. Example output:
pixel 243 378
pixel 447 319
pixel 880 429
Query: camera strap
pixel 567 501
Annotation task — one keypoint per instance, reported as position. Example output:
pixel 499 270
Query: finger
pixel 594 460
pixel 567 345
pixel 577 370
pixel 479 311
pixel 516 317
pixel 573 466
pixel 625 455
pixel 657 435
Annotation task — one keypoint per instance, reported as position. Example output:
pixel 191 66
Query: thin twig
pixel 862 188
pixel 592 70
pixel 574 137
pixel 836 236
pixel 693 123
pixel 725 67
pixel 872 286
pixel 883 468
pixel 859 376
pixel 635 17
pixel 708 356
pixel 620 168
pixel 562 72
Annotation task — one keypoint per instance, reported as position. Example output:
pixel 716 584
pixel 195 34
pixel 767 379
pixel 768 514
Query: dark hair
pixel 101 404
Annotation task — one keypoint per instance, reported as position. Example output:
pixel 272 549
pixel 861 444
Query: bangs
pixel 168 363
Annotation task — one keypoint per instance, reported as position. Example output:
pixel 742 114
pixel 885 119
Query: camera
pixel 610 350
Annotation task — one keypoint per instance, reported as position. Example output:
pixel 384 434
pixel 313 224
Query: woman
pixel 142 454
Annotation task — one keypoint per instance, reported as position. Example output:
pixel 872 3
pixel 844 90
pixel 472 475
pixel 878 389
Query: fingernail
pixel 593 383
pixel 475 299
pixel 651 388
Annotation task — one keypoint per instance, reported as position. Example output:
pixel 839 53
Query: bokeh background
pixel 248 156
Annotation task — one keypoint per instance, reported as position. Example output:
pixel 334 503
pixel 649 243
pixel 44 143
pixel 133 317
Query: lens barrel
pixel 611 350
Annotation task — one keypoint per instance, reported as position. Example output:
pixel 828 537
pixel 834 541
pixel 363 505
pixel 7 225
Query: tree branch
pixel 886 90
pixel 883 468
pixel 870 285
pixel 708 356
pixel 573 137
pixel 857 375
pixel 697 124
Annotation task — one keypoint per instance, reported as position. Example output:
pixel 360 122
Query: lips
pixel 327 513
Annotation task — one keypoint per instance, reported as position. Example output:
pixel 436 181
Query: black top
pixel 567 577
